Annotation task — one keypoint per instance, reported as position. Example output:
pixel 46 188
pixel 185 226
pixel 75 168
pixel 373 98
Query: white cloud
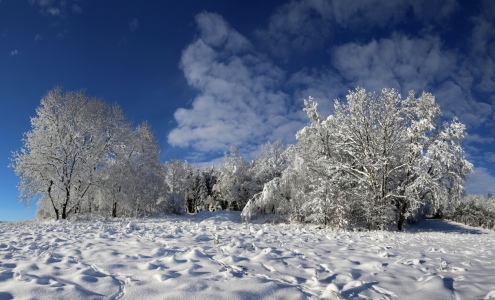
pixel 215 32
pixel 62 34
pixel 240 102
pixel 54 11
pixel 481 62
pixel 302 25
pixel 480 182
pixel 399 62
pixel 77 8
pixel 419 64
pixel 14 52
pixel 323 85
pixel 42 3
pixel 476 138
pixel 378 13
pixel 57 8
pixel 134 25
pixel 483 30
pixel 38 37
pixel 297 25
pixel 489 157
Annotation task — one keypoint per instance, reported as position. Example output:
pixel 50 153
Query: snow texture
pixel 214 256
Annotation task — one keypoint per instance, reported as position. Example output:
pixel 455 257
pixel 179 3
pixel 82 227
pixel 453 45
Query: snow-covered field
pixel 214 256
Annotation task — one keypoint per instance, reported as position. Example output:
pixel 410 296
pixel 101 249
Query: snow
pixel 215 256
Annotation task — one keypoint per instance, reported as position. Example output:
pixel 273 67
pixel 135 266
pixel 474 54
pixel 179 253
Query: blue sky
pixel 208 75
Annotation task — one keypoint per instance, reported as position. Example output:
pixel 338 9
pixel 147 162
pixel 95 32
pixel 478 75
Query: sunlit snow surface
pixel 214 256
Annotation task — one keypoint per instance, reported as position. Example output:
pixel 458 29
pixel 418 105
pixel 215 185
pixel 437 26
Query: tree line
pixel 378 161
pixel 475 210
pixel 83 156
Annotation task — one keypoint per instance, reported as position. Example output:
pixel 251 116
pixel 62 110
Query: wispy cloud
pixel 476 138
pixel 481 62
pixel 413 64
pixel 480 182
pixel 53 11
pixel 134 25
pixel 489 157
pixel 42 3
pixel 240 102
pixel 322 84
pixel 77 8
pixel 300 26
pixel 14 52
pixel 62 34
pixel 56 8
pixel 38 37
pixel 399 62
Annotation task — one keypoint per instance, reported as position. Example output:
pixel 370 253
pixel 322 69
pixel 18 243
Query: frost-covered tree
pixel 148 174
pixel 270 162
pixel 447 168
pixel 234 186
pixel 189 187
pixel 377 161
pixel 83 156
pixel 207 179
pixel 200 184
pixel 65 148
pixel 175 180
pixel 474 210
pixel 193 191
pixel 132 176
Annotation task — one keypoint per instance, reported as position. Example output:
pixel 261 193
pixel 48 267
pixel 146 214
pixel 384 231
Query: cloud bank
pixel 301 26
pixel 240 101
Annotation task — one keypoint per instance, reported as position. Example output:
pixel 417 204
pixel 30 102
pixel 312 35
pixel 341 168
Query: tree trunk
pixel 64 206
pixel 402 216
pixel 114 210
pixel 64 211
pixel 51 199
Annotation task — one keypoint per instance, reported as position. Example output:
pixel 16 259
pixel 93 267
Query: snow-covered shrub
pixel 269 201
pixel 173 203
pixel 475 210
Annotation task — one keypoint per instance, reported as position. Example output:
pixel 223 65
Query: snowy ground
pixel 213 256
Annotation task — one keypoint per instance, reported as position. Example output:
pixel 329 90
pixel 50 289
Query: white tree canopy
pixel 81 150
pixel 377 161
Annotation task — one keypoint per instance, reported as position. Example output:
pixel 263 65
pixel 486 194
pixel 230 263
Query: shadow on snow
pixel 433 225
